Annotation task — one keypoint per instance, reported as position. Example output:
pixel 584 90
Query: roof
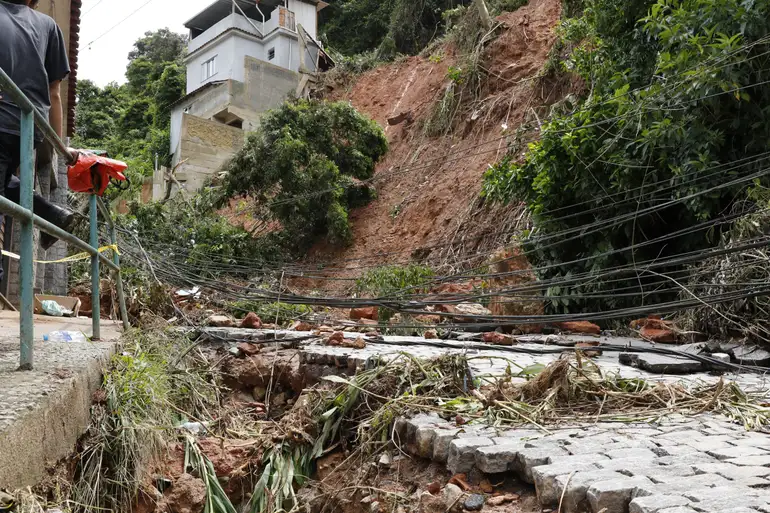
pixel 208 85
pixel 221 9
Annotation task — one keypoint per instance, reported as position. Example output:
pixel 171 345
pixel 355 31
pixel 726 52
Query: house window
pixel 208 69
pixel 271 54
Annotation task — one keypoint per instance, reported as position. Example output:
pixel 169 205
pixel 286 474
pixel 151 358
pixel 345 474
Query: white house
pixel 244 58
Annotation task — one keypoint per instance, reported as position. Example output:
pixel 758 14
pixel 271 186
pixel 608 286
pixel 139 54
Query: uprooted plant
pixel 147 391
pixel 568 391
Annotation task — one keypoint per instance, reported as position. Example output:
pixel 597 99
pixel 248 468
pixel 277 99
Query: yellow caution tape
pixel 74 258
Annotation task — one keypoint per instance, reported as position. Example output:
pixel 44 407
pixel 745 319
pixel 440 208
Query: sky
pixel 104 49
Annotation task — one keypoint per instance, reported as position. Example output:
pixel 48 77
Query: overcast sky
pixel 104 50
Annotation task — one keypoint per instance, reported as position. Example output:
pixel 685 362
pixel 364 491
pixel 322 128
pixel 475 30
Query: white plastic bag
pixel 65 336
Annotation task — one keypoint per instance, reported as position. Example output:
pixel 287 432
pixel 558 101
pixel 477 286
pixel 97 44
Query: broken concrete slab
pixel 659 364
pixel 750 354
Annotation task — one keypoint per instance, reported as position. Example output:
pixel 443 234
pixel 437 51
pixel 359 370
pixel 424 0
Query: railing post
pixel 119 280
pixel 26 275
pixel 95 307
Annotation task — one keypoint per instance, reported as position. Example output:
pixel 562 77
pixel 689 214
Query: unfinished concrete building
pixel 244 58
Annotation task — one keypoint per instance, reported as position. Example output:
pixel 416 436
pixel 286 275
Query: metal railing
pixel 23 212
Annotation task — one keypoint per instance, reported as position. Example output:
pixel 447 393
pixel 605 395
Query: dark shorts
pixel 9 161
pixel 9 158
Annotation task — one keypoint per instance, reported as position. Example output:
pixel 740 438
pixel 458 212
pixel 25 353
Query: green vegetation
pixel 131 121
pixel 390 27
pixel 393 279
pixel 144 390
pixel 281 313
pixel 190 230
pixel 676 111
pixel 304 169
pixel 394 282
pixel 300 174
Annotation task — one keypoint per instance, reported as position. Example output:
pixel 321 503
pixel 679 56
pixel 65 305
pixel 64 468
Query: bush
pixel 190 231
pixel 393 279
pixel 269 312
pixel 674 95
pixel 299 165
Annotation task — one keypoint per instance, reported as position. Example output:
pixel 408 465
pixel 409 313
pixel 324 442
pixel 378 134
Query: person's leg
pixel 61 217
pixel 9 161
pixel 44 208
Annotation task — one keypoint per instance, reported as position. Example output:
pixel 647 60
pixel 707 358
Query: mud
pixel 408 485
pixel 187 495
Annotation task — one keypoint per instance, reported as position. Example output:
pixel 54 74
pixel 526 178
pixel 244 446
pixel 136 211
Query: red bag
pixel 92 173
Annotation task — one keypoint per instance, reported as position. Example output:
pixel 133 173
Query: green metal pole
pixel 107 215
pixel 26 275
pixel 96 308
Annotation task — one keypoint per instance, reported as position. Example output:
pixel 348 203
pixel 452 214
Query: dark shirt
pixel 33 54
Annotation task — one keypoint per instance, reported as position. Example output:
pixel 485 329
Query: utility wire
pixel 119 23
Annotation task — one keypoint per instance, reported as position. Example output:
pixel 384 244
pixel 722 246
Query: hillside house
pixel 51 170
pixel 244 58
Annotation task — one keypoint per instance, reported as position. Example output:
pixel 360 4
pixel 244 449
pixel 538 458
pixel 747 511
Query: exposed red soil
pixel 428 189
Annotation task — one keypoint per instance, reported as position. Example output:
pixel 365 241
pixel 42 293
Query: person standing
pixel 33 54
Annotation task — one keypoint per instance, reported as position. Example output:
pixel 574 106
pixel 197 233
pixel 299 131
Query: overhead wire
pixel 168 269
pixel 108 31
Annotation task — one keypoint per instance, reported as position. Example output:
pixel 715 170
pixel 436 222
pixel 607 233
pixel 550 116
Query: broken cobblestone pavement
pixel 675 464
pixel 702 464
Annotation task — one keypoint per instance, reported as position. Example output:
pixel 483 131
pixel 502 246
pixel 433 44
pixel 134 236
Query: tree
pixel 97 110
pixel 131 121
pixel 159 46
pixel 371 17
pixel 301 163
pixel 404 26
pixel 169 88
pixel 150 57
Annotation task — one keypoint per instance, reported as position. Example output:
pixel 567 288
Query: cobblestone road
pixel 680 465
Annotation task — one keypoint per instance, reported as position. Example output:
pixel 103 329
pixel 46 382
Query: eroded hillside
pixel 428 206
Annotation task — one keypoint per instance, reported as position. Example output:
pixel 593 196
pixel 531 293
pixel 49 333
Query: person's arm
pixel 55 115
pixel 57 66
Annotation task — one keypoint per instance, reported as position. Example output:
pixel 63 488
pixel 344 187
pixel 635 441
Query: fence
pixel 23 212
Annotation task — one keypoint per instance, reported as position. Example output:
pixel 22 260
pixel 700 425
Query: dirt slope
pixel 428 189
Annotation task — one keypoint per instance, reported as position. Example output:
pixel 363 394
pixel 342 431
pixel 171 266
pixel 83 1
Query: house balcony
pixel 281 17
pixel 233 21
pixel 278 18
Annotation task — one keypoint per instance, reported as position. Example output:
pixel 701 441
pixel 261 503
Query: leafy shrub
pixel 673 96
pixel 297 166
pixel 269 312
pixel 190 231
pixel 392 279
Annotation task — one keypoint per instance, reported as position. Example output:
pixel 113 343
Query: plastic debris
pixel 65 336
